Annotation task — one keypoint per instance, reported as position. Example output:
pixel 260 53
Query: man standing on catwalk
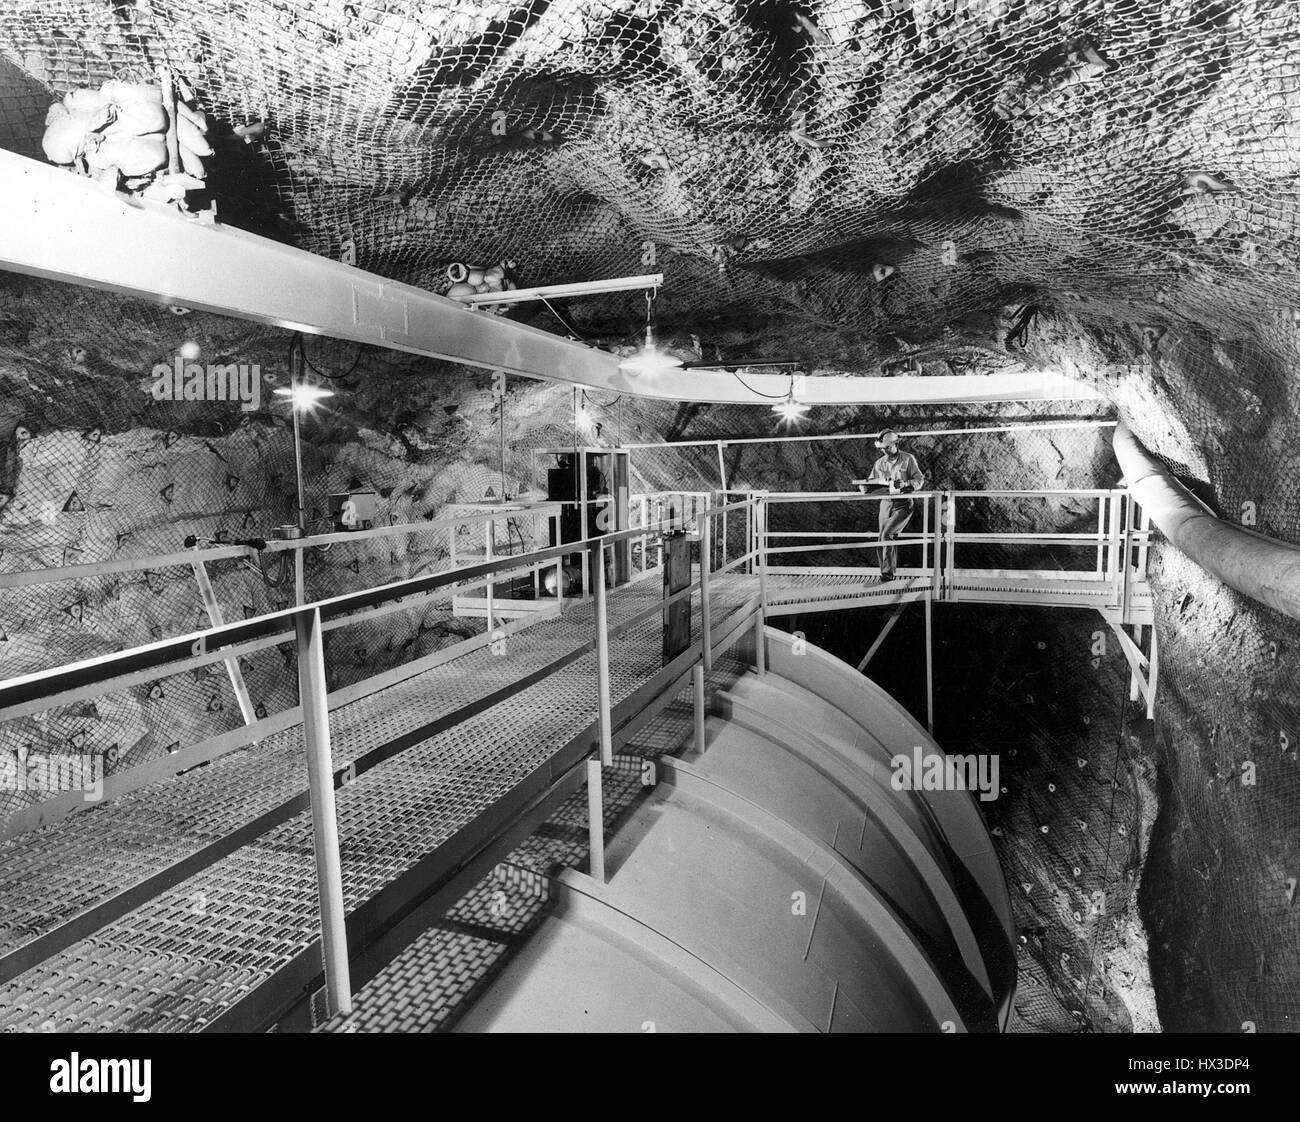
pixel 902 474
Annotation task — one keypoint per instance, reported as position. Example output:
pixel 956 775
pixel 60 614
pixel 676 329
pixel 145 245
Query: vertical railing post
pixel 587 586
pixel 1113 545
pixel 537 569
pixel 489 553
pixel 1101 530
pixel 725 535
pixel 1133 686
pixel 597 565
pixel 936 548
pixel 697 689
pixel 312 692
pixel 645 541
pixel 750 539
pixel 1144 526
pixel 950 543
pixel 706 562
pixel 554 520
pixel 595 821
pixel 1126 557
pixel 929 663
pixel 925 537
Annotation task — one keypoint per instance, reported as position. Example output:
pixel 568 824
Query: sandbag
pixel 138 118
pixel 131 155
pixel 84 101
pixel 196 117
pixel 192 164
pixel 65 136
pixel 191 138
pixel 123 93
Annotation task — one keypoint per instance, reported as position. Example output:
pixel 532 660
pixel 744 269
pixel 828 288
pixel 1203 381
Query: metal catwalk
pixel 193 902
pixel 190 956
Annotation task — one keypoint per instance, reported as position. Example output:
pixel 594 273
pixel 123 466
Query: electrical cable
pixel 297 341
pixel 601 404
pixel 582 337
pixel 759 393
pixel 563 322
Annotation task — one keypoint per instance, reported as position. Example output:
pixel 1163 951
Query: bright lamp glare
pixel 650 359
pixel 304 397
pixel 790 411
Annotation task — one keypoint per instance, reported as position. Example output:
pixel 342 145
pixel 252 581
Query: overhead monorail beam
pixel 66 227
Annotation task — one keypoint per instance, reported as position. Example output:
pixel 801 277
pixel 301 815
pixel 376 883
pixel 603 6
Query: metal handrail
pixel 277 625
pixel 308 630
pixel 57 573
pixel 1114 539
pixel 306 624
pixel 205 554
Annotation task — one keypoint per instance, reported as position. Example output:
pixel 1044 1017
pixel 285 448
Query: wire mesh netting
pixel 766 155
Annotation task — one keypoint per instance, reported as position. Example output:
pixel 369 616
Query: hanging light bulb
pixel 304 397
pixel 649 359
pixel 790 411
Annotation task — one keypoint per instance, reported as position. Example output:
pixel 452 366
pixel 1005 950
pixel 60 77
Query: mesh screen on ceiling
pixel 767 153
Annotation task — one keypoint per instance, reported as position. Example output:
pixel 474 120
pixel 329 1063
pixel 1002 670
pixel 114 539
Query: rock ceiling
pixel 844 181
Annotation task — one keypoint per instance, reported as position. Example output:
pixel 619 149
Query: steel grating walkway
pixel 809 591
pixel 435 978
pixel 181 958
pixel 817 588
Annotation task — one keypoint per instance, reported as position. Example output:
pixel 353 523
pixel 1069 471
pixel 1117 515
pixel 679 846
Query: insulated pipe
pixel 1256 566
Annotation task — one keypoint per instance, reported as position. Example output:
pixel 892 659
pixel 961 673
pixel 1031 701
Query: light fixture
pixel 790 412
pixel 649 359
pixel 304 397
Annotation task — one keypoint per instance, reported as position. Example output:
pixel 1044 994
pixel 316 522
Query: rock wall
pixel 1221 408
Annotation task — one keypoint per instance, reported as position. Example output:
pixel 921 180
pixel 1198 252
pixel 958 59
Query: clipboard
pixel 869 488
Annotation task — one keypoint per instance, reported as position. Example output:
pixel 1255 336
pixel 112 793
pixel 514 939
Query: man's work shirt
pixel 901 469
